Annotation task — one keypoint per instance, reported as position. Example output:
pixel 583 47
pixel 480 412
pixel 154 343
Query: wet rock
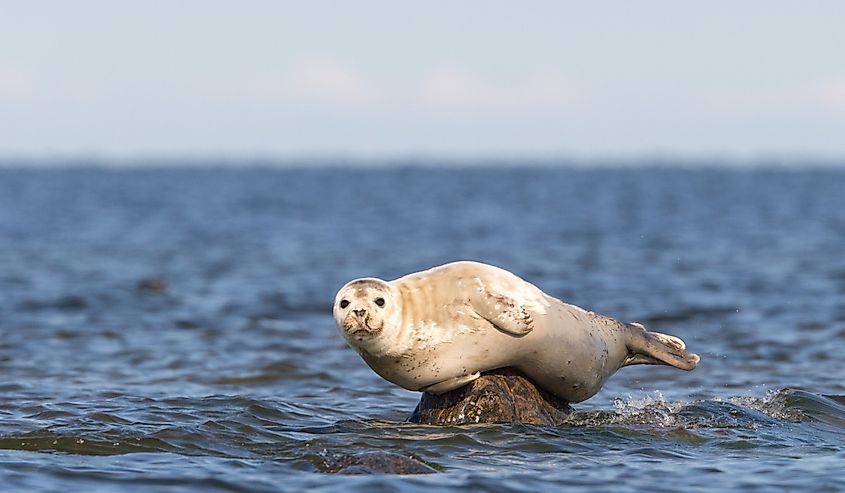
pixel 152 285
pixel 500 396
pixel 374 463
pixel 66 303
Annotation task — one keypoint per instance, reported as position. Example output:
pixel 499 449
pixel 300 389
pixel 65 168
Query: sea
pixel 169 328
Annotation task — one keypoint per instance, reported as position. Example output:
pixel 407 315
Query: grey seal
pixel 439 329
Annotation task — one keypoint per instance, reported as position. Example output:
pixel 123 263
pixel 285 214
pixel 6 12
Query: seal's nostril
pixel 359 312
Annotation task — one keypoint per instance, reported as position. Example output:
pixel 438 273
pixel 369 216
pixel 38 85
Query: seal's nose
pixel 359 312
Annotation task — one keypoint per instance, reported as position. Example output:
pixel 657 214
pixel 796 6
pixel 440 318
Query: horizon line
pixel 420 159
pixel 645 160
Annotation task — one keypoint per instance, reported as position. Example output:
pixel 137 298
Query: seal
pixel 439 329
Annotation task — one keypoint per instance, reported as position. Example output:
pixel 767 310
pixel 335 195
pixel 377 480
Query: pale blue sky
pixel 461 78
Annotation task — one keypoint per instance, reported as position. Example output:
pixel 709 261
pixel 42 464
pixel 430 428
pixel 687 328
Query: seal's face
pixel 362 308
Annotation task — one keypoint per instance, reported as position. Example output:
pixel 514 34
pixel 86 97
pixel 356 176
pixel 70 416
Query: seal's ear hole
pixel 344 303
pixel 379 301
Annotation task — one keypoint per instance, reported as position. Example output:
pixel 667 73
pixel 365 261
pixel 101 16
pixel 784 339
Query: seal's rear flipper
pixel 654 348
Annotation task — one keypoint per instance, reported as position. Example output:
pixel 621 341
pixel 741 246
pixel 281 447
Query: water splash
pixel 778 407
pixel 651 409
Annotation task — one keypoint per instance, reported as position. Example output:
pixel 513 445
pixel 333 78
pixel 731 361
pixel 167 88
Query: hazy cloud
pixel 832 93
pixel 457 90
pixel 322 82
pixel 16 85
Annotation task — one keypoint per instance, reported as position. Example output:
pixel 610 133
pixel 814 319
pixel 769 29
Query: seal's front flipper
pixel 654 348
pixel 451 384
pixel 504 312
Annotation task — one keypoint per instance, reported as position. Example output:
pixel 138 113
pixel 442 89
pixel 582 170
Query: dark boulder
pixel 499 396
pixel 373 463
pixel 152 285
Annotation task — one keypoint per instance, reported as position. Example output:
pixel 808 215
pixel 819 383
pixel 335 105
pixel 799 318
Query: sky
pixel 467 79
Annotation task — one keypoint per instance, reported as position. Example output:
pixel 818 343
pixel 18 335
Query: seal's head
pixel 365 310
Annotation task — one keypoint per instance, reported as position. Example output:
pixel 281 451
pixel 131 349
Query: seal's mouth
pixel 361 327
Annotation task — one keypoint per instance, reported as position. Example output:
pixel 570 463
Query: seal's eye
pixel 344 303
pixel 380 301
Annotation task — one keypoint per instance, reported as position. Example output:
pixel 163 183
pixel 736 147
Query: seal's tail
pixel 654 348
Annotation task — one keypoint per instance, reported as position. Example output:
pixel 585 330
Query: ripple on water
pixel 233 427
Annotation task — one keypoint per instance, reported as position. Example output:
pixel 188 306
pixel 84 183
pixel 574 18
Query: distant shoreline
pixel 642 162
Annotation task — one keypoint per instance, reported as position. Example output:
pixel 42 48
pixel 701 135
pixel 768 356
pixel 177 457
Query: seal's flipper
pixel 654 348
pixel 451 384
pixel 504 312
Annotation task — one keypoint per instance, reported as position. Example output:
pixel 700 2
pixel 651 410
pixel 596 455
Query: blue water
pixel 224 370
